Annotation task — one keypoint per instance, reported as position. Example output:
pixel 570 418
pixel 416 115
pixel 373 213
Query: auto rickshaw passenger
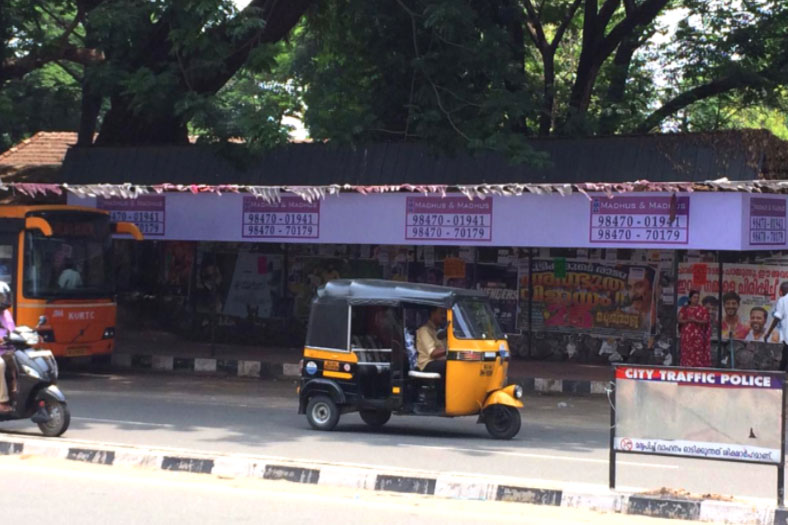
pixel 432 351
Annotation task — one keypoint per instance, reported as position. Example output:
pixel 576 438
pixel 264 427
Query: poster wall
pixel 599 297
pixel 749 294
pixel 255 286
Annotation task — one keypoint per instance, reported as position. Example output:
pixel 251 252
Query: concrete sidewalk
pixel 380 478
pixel 162 351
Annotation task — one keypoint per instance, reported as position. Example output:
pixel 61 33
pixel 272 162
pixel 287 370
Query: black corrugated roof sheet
pixel 657 158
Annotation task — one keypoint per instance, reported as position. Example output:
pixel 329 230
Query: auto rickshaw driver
pixel 431 350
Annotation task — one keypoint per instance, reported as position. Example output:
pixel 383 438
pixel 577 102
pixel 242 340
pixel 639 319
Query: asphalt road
pixel 563 439
pixel 46 491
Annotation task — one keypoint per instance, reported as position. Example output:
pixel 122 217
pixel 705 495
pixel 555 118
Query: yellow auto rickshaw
pixel 360 356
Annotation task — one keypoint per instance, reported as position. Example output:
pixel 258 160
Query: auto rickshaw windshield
pixel 474 319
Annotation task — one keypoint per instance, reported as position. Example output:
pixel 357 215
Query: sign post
pixel 743 418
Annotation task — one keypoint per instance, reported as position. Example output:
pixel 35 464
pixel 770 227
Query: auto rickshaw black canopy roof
pixel 378 291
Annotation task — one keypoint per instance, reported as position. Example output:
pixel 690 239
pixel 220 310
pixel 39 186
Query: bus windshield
pixel 474 319
pixel 74 262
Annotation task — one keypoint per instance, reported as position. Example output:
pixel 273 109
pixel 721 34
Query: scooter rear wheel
pixel 502 422
pixel 60 419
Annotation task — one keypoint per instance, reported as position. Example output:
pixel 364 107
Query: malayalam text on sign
pixel 147 212
pixel 290 218
pixel 448 219
pixel 639 220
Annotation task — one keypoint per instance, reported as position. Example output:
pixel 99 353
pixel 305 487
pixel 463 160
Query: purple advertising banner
pixel 146 212
pixel 290 218
pixel 448 219
pixel 767 221
pixel 639 220
pixel 719 219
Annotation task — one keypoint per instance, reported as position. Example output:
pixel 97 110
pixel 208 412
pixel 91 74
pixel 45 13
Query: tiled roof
pixel 45 148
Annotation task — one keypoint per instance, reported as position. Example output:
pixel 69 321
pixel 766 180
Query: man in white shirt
pixel 69 277
pixel 780 314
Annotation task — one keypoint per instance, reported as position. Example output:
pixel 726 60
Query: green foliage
pixel 251 107
pixel 437 71
pixel 48 97
pixel 453 74
pixel 746 42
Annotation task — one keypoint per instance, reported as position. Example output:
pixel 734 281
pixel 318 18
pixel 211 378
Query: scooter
pixel 31 376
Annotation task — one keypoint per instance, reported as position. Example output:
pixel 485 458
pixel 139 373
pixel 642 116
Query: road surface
pixel 47 491
pixel 563 438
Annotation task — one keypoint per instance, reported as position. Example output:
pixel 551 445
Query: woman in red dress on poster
pixel 695 325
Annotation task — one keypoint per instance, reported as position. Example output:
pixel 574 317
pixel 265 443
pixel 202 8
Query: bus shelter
pixel 595 270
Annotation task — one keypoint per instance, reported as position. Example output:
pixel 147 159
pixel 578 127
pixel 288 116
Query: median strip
pixel 445 485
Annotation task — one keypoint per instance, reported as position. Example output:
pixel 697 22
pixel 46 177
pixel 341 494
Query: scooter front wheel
pixel 59 419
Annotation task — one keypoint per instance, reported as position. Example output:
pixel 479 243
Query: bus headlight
pixel 109 333
pixel 47 336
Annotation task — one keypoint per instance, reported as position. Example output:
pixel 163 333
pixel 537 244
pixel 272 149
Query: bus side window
pixel 6 262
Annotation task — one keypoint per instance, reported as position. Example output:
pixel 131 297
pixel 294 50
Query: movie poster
pixel 601 298
pixel 503 300
pixel 255 285
pixel 749 293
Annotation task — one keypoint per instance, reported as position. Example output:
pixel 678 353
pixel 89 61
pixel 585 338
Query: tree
pixel 735 51
pixel 473 74
pixel 441 72
pixel 155 62
pixel 46 99
pixel 566 67
pixel 35 33
pixel 171 56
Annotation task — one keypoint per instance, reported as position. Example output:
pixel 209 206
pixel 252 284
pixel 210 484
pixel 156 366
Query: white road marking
pixel 544 456
pixel 119 422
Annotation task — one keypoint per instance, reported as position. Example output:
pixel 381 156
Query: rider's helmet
pixel 6 299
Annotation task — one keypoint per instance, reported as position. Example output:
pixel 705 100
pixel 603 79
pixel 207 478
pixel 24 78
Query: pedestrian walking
pixel 780 313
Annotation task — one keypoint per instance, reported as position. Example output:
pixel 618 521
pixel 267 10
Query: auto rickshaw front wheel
pixel 502 422
pixel 322 413
pixel 375 418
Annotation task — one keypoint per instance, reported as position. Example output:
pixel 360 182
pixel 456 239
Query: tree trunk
pixel 618 84
pixel 546 117
pixel 160 124
pixel 587 69
pixel 124 127
pixel 91 105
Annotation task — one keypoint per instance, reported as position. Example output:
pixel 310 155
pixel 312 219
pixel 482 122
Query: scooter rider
pixel 6 327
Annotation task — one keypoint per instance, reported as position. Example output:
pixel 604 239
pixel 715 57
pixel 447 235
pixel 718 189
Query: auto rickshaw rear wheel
pixel 375 418
pixel 322 413
pixel 502 422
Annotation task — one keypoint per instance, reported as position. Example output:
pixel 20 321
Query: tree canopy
pixel 474 74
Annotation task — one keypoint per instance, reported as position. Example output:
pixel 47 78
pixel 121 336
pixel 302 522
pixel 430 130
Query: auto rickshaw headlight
pixel 518 392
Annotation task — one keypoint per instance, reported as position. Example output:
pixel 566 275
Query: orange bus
pixel 58 262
